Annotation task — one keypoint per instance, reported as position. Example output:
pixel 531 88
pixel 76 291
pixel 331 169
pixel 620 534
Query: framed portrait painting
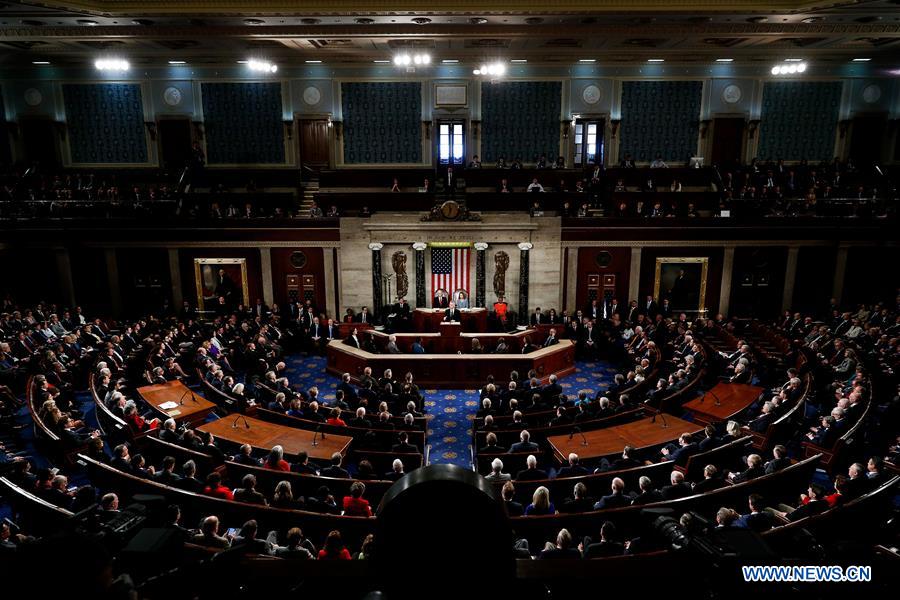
pixel 682 280
pixel 221 284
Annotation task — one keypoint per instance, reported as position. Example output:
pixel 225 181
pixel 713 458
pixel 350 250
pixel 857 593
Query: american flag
pixel 450 270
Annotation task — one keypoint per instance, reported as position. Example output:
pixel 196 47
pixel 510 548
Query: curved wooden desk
pixel 453 370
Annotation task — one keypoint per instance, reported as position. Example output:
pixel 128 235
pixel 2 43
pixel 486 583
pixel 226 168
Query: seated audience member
pixel 573 469
pixel 608 545
pixel 275 461
pixel 354 504
pixel 248 492
pixel 209 534
pixel 335 469
pixel 497 473
pixel 540 503
pixel 531 472
pixel 215 488
pixel 562 549
pixel 508 494
pixel 524 444
pixel 617 498
pixel 334 548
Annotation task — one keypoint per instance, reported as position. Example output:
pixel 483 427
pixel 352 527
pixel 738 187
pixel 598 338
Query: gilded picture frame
pixel 208 282
pixel 683 281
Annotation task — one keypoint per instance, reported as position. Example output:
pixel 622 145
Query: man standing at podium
pixel 452 314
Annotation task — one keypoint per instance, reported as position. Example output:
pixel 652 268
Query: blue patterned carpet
pixel 450 412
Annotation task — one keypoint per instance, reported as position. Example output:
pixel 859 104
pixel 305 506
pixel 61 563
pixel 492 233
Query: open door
pixel 39 143
pixel 865 140
pixel 174 142
pixel 728 141
pixel 314 146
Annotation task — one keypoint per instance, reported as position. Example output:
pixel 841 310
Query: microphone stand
pixel 661 414
pixel 234 423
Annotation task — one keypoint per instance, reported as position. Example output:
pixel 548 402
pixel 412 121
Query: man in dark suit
pixel 754 470
pixel 335 469
pixel 815 504
pixel 550 392
pixel 440 300
pixel 573 469
pixel 686 449
pixel 711 441
pixel 607 546
pixel 579 503
pixel 768 416
pixel 615 500
pixel 538 318
pixel 594 310
pixel 711 480
pixel 666 309
pixel 781 460
pixel 650 307
pixel 648 494
pixel 758 519
pixel 551 339
pixel 531 472
pixel 364 316
pixel 452 314
pixel 678 488
pixel 403 446
pixel 524 445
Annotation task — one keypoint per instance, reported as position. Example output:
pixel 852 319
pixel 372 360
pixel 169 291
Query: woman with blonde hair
pixel 540 503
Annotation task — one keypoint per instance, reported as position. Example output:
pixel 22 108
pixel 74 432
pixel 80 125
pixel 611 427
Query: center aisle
pixel 450 412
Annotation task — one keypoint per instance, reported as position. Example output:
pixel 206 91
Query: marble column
pixel 524 248
pixel 840 272
pixel 175 279
pixel 480 278
pixel 727 274
pixel 421 300
pixel 112 277
pixel 265 262
pixel 634 276
pixel 375 247
pixel 790 277
pixel 64 269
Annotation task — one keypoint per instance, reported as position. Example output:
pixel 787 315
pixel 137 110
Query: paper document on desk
pixel 168 405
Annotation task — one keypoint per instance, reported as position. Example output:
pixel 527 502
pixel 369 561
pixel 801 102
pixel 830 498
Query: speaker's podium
pixel 450 329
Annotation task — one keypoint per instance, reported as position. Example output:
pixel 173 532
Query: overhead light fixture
pixel 405 60
pixel 519 61
pixel 381 62
pixel 724 60
pixel 656 60
pixel 793 60
pixel 111 64
pixel 495 69
pixel 261 66
pixel 40 62
pixel 861 59
pixel 243 62
pixel 789 69
pixel 587 60
pixel 449 61
pixel 177 62
pixel 313 62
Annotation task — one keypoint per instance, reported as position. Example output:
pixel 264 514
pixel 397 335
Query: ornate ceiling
pixel 149 32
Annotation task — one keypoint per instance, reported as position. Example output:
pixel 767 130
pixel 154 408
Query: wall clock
pixel 591 94
pixel 312 95
pixel 172 96
pixel 732 94
pixel 33 97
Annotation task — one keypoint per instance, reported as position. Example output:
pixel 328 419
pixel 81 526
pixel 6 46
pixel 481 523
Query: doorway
pixel 175 141
pixel 314 147
pixel 728 141
pixel 589 142
pixel 451 142
pixel 39 143
pixel 865 140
